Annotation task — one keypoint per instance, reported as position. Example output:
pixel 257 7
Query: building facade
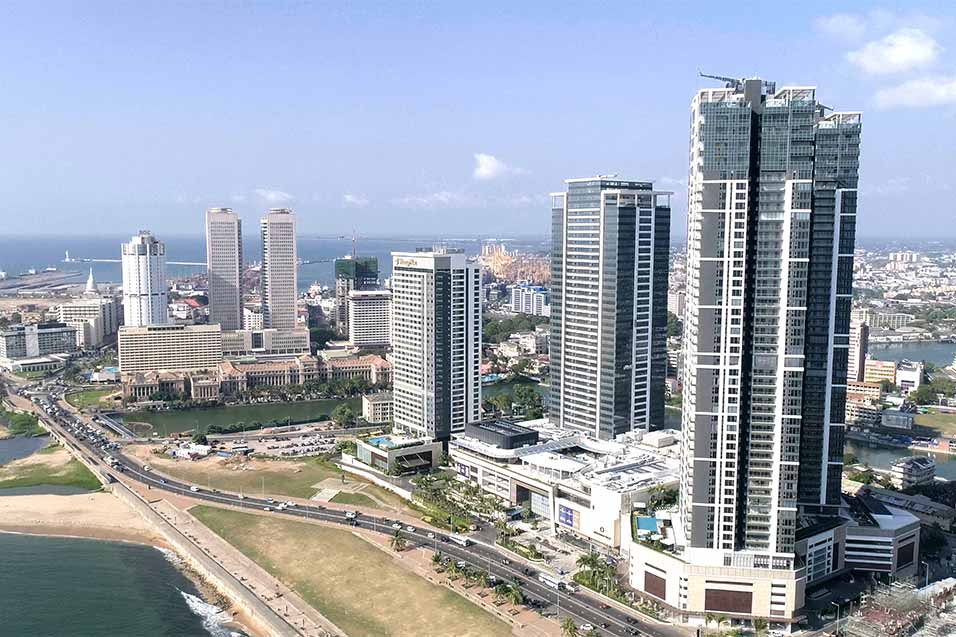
pixel 224 267
pixel 95 319
pixel 609 263
pixel 530 299
pixel 169 348
pixel 36 340
pixel 265 342
pixel 145 297
pixel 370 318
pixel 436 342
pixel 771 230
pixel 354 273
pixel 859 347
pixel 279 269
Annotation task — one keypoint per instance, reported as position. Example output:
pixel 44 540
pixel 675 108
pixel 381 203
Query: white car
pixel 397 526
pixel 194 489
pixel 585 628
pixel 410 528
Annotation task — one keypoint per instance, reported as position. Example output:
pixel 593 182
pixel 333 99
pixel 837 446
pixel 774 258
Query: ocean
pixel 50 587
pixel 18 254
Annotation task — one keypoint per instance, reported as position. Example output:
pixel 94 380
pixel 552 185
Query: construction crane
pixel 738 83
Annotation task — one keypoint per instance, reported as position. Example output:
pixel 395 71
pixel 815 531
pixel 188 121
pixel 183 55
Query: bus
pixel 551 581
pixel 459 540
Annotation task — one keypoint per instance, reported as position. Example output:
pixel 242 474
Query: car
pixel 397 526
pixel 266 508
pixel 506 562
pixel 410 528
pixel 194 489
pixel 241 497
pixel 162 480
pixel 585 627
pixel 271 501
pixel 431 536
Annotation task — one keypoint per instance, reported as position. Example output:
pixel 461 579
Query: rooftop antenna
pixel 353 244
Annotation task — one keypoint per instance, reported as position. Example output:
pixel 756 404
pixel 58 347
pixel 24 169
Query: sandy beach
pixel 95 515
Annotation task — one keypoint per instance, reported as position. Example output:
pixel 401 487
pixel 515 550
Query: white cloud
pixel 237 198
pixel 352 200
pixel 489 167
pixel 902 50
pixel 433 200
pixel 845 26
pixel 923 92
pixel 892 186
pixel 274 196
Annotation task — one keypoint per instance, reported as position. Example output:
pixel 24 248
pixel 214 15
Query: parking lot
pixel 309 444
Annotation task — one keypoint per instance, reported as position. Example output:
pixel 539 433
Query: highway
pixel 582 607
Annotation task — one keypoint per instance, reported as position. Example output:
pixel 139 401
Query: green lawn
pixel 173 421
pixel 19 423
pixel 943 423
pixel 357 586
pixel 52 472
pixel 89 398
pixel 357 499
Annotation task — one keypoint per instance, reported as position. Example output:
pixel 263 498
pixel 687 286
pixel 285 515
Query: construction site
pixel 901 610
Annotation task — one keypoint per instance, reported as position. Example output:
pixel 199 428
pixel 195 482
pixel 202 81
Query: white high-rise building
pixel 144 281
pixel 224 267
pixel 370 317
pixel 95 318
pixel 436 342
pixel 859 347
pixel 278 269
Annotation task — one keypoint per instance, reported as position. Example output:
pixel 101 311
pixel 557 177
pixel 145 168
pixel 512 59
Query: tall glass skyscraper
pixel 771 228
pixel 224 267
pixel 609 261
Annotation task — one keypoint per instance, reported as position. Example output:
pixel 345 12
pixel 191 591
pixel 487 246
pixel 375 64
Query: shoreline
pixel 43 515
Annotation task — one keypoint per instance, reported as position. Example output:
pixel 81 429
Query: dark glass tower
pixel 609 262
pixel 771 228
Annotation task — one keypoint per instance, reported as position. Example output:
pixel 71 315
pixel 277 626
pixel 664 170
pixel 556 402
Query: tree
pixel 924 395
pixel 675 326
pixel 887 386
pixel 200 438
pixel 436 558
pixel 398 541
pixel 849 459
pixel 520 367
pixel 503 403
pixel 721 620
pixel 320 336
pixel 569 628
pixel 760 626
pixel 514 595
pixel 343 416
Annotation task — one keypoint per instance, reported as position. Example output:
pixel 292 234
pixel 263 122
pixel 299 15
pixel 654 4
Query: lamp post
pixel 837 615
pixel 926 564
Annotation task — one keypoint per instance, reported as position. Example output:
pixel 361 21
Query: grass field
pixel 50 466
pixel 356 499
pixel 89 398
pixel 167 422
pixel 945 424
pixel 357 586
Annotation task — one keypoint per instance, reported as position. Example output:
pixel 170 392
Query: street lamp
pixel 837 615
pixel 926 564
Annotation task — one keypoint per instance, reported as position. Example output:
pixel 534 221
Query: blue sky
pixel 446 118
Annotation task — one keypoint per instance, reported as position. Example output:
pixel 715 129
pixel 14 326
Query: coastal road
pixel 583 608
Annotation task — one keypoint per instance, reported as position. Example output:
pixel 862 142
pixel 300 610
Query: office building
pixel 169 348
pixel 377 407
pixel 609 261
pixel 878 320
pixel 224 267
pixel 530 299
pixel 370 318
pixel 859 347
pixel 912 471
pixel 279 264
pixel 265 342
pixel 36 340
pixel 876 371
pixel 676 302
pixel 771 230
pixel 144 281
pixel 436 342
pixel 95 319
pixel 353 273
pixel 252 317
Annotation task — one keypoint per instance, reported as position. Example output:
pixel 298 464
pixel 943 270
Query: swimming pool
pixel 647 523
pixel 382 442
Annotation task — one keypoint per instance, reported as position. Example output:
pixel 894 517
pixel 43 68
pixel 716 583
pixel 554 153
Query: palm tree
pixel 721 620
pixel 760 625
pixel 483 579
pixel 592 633
pixel 590 561
pixel 569 628
pixel 709 619
pixel 436 558
pixel 515 596
pixel 501 591
pixel 398 541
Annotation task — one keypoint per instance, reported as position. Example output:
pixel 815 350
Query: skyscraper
pixel 353 273
pixel 859 348
pixel 144 281
pixel 224 267
pixel 771 228
pixel 279 263
pixel 436 342
pixel 609 262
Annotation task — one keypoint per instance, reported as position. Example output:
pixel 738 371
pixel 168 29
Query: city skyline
pixel 461 158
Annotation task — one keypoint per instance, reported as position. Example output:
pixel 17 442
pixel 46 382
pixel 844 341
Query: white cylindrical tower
pixel 144 281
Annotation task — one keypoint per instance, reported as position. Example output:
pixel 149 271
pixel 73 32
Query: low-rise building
pixel 862 390
pixel 881 538
pixel 862 413
pixel 896 419
pixel 395 455
pixel 912 470
pixel 909 375
pixel 929 512
pixel 377 408
pixel 579 485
